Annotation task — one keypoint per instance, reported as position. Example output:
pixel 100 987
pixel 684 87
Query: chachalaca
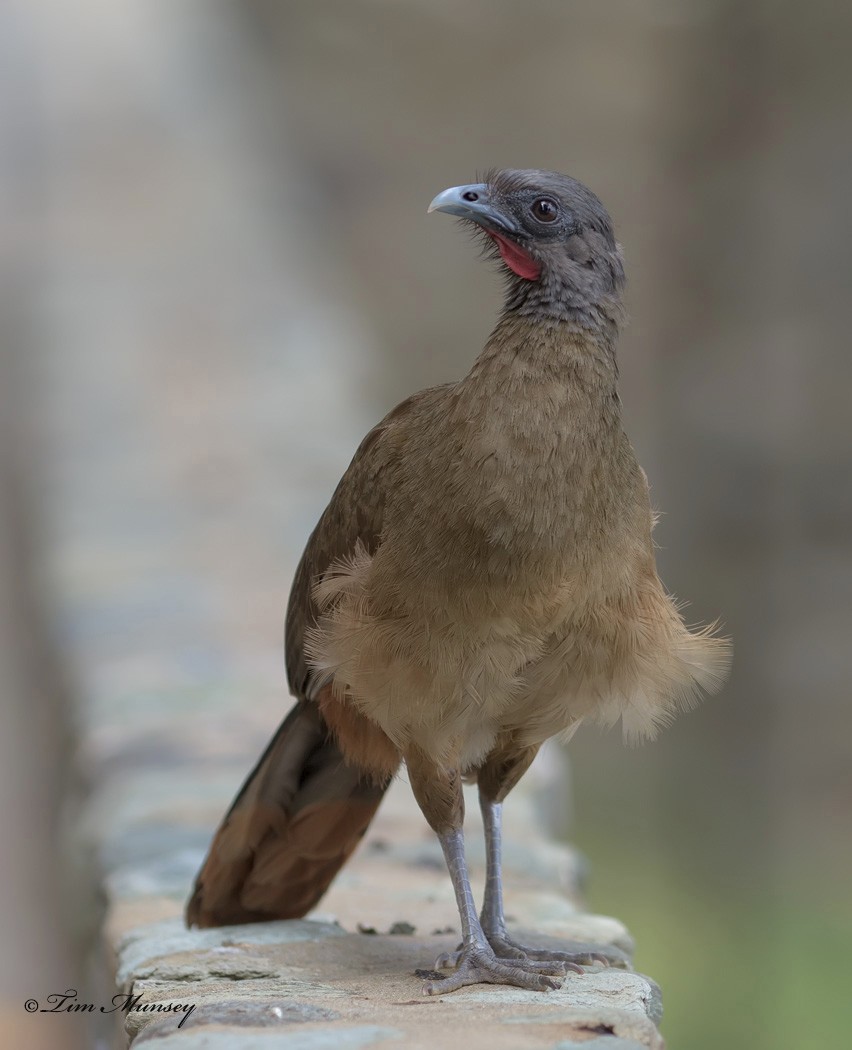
pixel 482 579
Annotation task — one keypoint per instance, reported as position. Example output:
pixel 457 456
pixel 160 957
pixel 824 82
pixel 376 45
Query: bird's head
pixel 554 238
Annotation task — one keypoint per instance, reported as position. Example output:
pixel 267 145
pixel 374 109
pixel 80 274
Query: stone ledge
pixel 324 982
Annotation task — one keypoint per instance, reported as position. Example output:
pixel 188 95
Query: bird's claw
pixel 507 949
pixel 453 960
pixel 479 965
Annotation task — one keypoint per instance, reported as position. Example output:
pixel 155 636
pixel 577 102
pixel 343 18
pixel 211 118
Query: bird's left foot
pixel 505 948
pixel 586 955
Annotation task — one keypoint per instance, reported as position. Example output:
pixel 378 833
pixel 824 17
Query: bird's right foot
pixel 479 965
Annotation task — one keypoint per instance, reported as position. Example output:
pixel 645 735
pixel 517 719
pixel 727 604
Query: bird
pixel 483 579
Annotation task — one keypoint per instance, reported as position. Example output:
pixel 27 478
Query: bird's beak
pixel 473 203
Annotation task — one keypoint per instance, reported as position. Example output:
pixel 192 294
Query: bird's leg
pixel 439 795
pixel 498 775
pixel 476 962
pixel 493 919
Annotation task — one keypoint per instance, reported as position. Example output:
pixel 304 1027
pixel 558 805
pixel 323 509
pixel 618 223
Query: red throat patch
pixel 516 258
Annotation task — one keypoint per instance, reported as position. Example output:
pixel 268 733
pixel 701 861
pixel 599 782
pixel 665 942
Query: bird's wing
pixel 353 516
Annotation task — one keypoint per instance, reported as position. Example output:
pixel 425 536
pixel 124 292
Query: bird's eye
pixel 545 210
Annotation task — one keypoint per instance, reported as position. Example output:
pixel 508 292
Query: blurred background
pixel 233 196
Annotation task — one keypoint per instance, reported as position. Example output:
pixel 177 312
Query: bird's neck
pixel 525 358
pixel 550 300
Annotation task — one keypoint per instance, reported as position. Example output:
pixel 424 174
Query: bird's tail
pixel 295 822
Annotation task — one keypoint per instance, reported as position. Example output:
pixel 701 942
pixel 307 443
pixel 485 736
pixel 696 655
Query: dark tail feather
pixel 295 822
